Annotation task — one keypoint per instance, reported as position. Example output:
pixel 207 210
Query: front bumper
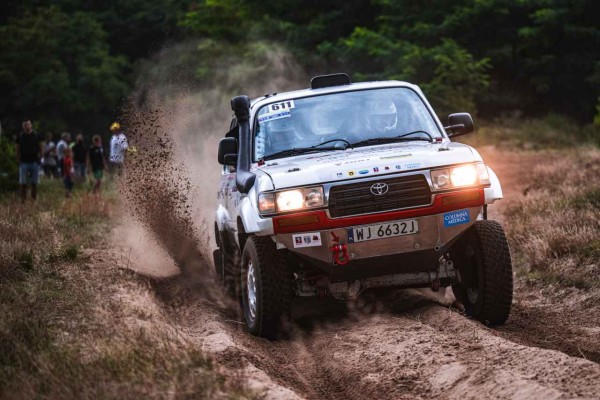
pixel 410 253
pixel 433 235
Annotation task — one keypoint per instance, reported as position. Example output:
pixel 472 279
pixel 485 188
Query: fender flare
pixel 252 222
pixel 494 192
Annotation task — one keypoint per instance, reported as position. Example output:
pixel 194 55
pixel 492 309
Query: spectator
pixel 118 147
pixel 63 143
pixel 79 158
pixel 67 168
pixel 97 162
pixel 49 161
pixel 29 152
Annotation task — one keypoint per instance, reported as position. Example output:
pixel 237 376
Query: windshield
pixel 350 116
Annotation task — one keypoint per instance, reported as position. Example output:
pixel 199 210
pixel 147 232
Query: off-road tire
pixel 227 264
pixel 484 263
pixel 273 283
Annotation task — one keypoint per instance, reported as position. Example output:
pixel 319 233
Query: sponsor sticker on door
pixel 310 239
pixel 456 218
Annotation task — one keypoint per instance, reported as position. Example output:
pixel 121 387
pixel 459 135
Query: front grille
pixel 356 198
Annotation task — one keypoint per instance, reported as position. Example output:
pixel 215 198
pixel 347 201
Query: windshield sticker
pixel 311 239
pixel 456 218
pixel 412 165
pixel 283 106
pixel 271 117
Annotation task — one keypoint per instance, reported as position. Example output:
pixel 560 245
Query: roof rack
pixel 323 81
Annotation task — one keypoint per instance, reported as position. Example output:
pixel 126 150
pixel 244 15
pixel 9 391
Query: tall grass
pixel 555 225
pixel 550 132
pixel 70 328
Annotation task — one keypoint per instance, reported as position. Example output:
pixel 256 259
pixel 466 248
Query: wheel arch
pixel 494 192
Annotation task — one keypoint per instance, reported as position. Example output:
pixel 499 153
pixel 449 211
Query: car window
pixel 351 116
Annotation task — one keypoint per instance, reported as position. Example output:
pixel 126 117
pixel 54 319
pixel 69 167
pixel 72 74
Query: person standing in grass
pixel 118 147
pixel 63 143
pixel 97 162
pixel 49 161
pixel 79 158
pixel 29 154
pixel 68 171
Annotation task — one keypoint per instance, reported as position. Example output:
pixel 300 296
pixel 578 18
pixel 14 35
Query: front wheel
pixel 266 286
pixel 485 273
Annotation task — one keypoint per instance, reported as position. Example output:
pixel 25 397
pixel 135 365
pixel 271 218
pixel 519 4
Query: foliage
pixel 543 53
pixel 447 73
pixel 69 68
pixel 57 68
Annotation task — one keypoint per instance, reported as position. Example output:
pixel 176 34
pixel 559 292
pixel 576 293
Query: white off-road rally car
pixel 345 187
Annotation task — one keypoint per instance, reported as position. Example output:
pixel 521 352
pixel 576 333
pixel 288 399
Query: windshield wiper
pixel 413 132
pixel 348 144
pixel 400 138
pixel 300 150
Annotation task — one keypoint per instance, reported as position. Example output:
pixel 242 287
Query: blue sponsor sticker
pixel 271 117
pixel 456 217
pixel 363 171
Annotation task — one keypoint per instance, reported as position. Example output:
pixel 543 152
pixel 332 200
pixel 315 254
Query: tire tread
pixel 275 281
pixel 497 272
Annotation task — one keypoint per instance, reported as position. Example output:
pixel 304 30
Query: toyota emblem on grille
pixel 379 188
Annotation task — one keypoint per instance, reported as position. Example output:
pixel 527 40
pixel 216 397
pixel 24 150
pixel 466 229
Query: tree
pixel 56 68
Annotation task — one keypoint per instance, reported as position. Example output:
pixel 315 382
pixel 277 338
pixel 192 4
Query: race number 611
pixel 284 105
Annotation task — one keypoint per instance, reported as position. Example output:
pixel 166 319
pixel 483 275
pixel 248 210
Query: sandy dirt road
pixel 394 344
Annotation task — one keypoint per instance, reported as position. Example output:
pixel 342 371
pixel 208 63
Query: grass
pixel 549 132
pixel 69 330
pixel 554 227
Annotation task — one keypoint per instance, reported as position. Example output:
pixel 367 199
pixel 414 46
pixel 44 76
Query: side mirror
pixel 460 124
pixel 228 151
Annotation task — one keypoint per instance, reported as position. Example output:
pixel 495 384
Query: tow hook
pixel 340 254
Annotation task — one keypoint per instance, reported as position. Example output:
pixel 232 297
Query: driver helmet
pixel 281 134
pixel 381 115
pixel 327 119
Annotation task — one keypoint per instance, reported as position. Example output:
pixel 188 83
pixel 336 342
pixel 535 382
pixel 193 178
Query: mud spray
pixel 174 124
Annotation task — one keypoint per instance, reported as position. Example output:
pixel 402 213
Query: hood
pixel 364 162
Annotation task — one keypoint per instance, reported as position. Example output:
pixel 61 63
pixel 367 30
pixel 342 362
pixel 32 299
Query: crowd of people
pixel 71 161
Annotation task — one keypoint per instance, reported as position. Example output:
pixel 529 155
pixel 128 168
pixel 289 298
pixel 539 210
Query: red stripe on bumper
pixel 286 223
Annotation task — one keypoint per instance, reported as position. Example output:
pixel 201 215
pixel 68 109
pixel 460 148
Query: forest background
pixel 70 64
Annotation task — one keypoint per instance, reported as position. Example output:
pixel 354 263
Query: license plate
pixel 381 231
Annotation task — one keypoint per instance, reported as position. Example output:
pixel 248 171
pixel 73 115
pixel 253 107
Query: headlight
pixel 465 175
pixel 290 200
pixel 460 176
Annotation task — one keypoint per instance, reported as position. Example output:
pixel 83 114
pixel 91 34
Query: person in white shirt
pixel 63 143
pixel 118 147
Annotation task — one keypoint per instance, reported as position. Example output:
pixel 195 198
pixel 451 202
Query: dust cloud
pixel 174 124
